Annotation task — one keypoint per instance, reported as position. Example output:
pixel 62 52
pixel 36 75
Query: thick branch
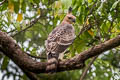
pixel 14 52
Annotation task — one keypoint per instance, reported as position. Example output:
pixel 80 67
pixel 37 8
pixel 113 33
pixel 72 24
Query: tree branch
pixel 37 57
pixel 14 52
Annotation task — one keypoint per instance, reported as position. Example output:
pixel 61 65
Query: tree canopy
pixel 25 25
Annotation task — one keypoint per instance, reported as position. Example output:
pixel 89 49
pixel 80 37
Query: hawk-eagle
pixel 59 40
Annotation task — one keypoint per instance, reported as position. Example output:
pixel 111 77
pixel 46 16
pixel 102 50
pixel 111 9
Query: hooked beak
pixel 74 20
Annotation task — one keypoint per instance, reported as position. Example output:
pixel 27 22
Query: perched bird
pixel 59 40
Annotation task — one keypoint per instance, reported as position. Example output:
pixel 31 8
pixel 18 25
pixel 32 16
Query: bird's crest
pixel 69 18
pixel 70 10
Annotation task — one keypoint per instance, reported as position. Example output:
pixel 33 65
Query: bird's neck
pixel 65 22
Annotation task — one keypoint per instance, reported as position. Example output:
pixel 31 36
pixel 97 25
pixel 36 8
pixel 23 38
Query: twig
pixel 11 31
pixel 31 75
pixel 2 2
pixel 31 24
pixel 87 68
pixel 38 57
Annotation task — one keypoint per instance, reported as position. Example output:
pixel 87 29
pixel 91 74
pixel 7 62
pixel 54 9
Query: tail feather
pixel 52 64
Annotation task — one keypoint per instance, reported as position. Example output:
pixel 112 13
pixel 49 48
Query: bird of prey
pixel 59 40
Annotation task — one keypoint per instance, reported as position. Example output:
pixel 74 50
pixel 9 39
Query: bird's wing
pixel 67 35
pixel 61 35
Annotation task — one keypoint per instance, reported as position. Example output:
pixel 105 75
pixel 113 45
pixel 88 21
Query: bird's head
pixel 69 18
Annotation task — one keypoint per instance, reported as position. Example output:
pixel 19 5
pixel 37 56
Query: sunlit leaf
pixel 10 17
pixel 38 11
pixel 11 6
pixel 87 22
pixel 100 7
pixel 33 52
pixel 114 30
pixel 58 4
pixel 21 1
pixel 91 32
pixel 89 1
pixel 115 4
pixel 66 3
pixel 19 17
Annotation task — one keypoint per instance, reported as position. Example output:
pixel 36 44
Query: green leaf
pixel 24 6
pixel 3 6
pixel 28 34
pixel 66 3
pixel 5 63
pixel 31 1
pixel 17 25
pixel 33 52
pixel 100 7
pixel 114 5
pixel 89 1
pixel 79 44
pixel 16 7
pixel 37 1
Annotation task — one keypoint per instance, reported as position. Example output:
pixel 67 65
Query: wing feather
pixel 61 36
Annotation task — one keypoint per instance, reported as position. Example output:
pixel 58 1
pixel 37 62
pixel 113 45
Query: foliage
pixel 101 15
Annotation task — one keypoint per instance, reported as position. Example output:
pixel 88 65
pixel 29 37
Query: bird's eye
pixel 69 18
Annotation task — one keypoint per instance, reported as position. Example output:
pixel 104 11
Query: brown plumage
pixel 59 40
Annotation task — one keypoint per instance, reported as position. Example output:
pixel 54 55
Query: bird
pixel 59 40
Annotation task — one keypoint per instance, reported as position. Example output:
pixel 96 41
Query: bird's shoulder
pixel 62 33
pixel 61 29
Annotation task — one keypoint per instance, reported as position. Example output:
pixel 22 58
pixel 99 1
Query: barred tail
pixel 52 63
